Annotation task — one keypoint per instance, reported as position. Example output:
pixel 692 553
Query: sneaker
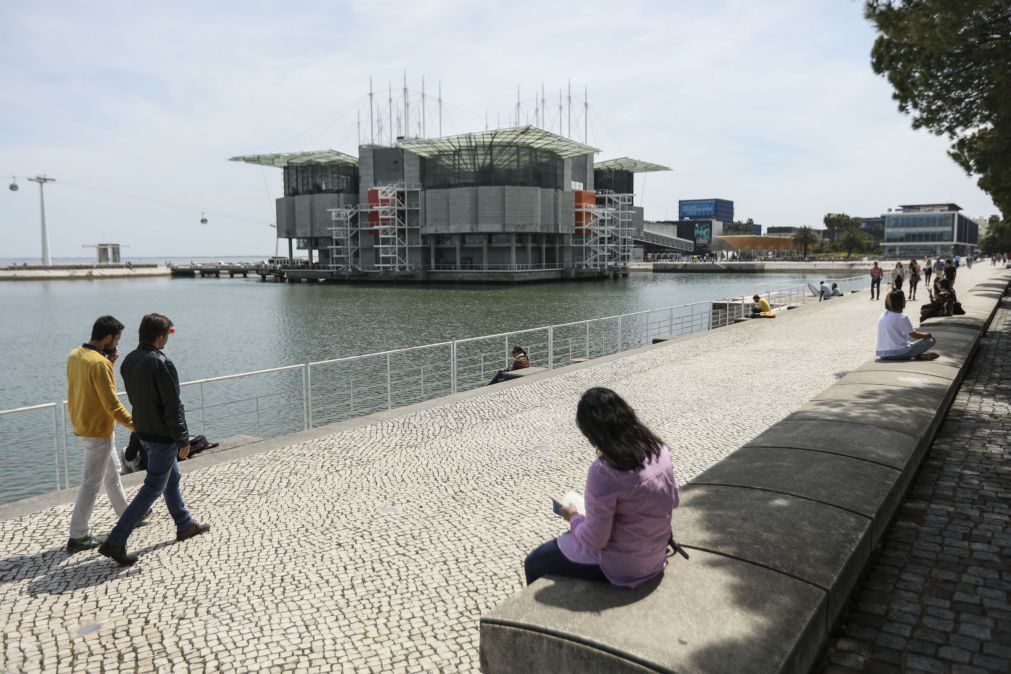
pixel 191 530
pixel 117 553
pixel 89 542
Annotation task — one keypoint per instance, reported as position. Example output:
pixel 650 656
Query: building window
pixel 320 179
pixel 493 165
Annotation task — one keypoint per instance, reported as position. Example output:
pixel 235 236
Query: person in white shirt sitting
pixel 895 331
pixel 824 292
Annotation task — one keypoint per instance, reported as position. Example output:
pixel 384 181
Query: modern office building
pixel 706 209
pixel 515 204
pixel 917 230
pixel 780 231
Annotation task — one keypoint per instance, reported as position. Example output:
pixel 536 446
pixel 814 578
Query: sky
pixel 135 108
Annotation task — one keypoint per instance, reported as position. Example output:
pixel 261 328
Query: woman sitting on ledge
pixel 630 493
pixel 520 362
pixel 895 329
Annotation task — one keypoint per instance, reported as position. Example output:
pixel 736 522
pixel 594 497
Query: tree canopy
pixel 805 236
pixel 949 62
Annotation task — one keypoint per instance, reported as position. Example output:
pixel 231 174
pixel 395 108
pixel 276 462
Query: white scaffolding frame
pixel 607 235
pixel 391 219
pixel 345 239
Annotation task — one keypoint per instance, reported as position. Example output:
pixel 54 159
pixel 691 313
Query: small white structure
pixel 106 253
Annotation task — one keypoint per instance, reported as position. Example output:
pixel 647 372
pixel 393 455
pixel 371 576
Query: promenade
pixel 377 547
pixel 938 598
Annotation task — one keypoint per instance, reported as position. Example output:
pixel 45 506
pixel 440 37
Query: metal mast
pixel 586 114
pixel 372 126
pixel 440 109
pixel 423 131
pixel 390 105
pixel 47 261
pixel 517 105
pixel 407 109
pixel 570 109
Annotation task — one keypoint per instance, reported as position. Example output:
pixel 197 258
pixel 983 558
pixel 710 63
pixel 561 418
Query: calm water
pixel 225 326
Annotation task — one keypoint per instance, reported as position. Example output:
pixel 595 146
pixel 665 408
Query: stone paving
pixel 938 597
pixel 377 548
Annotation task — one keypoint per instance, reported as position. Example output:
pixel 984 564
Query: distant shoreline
pixel 82 272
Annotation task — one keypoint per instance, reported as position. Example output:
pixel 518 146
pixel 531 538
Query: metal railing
pixel 283 400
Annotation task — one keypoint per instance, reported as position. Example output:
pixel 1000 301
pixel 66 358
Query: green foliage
pixel 852 239
pixel 998 237
pixel 837 223
pixel 949 62
pixel 806 237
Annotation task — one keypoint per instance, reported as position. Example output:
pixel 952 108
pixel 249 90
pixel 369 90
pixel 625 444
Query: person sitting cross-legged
pixel 895 331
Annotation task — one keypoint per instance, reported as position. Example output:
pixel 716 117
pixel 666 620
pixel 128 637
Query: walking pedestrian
pixel 152 385
pixel 928 269
pixel 950 271
pixel 94 409
pixel 898 275
pixel 914 278
pixel 938 266
pixel 876 274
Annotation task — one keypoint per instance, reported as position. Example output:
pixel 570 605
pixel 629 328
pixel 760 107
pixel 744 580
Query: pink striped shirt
pixel 627 521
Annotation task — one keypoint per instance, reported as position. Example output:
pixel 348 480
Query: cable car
pixel 203 219
pixel 14 184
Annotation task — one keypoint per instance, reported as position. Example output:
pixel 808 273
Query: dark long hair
pixel 611 426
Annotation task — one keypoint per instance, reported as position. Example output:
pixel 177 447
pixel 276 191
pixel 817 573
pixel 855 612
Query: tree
pixel 836 223
pixel 805 236
pixel 851 239
pixel 949 62
pixel 998 237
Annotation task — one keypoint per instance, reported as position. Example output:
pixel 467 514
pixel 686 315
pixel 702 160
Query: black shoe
pixel 117 553
pixel 191 530
pixel 88 542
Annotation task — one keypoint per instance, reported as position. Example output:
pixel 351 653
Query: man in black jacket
pixel 152 385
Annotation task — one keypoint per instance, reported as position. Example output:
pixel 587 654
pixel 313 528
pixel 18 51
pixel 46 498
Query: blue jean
pixel 548 560
pixel 914 350
pixel 162 478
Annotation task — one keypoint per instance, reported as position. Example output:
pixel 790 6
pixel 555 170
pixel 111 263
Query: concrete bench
pixel 779 533
pixel 525 372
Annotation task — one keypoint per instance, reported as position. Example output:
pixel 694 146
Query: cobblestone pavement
pixel 938 598
pixel 377 548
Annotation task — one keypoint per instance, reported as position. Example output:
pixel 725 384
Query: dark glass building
pixel 932 230
pixel 706 209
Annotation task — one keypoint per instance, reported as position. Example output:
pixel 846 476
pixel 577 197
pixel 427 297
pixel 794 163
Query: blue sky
pixel 135 108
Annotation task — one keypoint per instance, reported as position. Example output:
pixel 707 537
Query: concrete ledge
pixel 710 613
pixel 796 510
pixel 525 372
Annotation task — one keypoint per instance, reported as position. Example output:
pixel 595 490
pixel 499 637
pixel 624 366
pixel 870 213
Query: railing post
pixel 307 395
pixel 482 367
pixel 257 400
pixel 587 340
pixel 56 451
pixel 66 436
pixel 389 387
pixel 201 408
pixel 351 394
pixel 551 346
pixel 621 331
pixel 422 381
pixel 452 367
pixel 670 321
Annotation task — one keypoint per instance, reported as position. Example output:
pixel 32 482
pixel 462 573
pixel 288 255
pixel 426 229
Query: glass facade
pixel 619 182
pixel 710 209
pixel 486 165
pixel 320 179
pixel 925 233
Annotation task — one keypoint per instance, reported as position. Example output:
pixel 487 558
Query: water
pixel 225 326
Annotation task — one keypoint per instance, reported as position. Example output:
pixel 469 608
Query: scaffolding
pixel 345 240
pixel 394 214
pixel 605 225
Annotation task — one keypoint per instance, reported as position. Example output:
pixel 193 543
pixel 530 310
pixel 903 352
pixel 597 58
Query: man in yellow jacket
pixel 94 408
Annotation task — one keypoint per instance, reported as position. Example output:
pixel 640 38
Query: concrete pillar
pixel 291 250
pixel 458 242
pixel 512 251
pixel 484 252
pixel 544 248
pixel 530 244
pixel 310 252
pixel 431 251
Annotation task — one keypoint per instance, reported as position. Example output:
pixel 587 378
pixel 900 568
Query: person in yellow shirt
pixel 761 306
pixel 94 409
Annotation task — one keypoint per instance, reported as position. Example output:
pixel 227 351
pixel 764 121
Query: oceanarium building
pixel 511 204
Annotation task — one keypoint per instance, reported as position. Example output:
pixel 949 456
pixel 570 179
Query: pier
pixel 377 544
pixel 205 270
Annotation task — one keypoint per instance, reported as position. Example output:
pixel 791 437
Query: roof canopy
pixel 631 165
pixel 527 136
pixel 299 158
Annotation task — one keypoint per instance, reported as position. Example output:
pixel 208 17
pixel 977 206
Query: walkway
pixel 938 598
pixel 378 547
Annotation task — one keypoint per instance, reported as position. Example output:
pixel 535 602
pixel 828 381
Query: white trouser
pixel 101 464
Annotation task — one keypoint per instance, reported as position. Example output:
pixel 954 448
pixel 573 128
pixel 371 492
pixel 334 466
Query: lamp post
pixel 47 261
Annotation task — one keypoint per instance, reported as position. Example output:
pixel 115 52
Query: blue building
pixel 706 209
pixel 929 229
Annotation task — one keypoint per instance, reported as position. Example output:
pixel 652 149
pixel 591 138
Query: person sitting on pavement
pixel 836 292
pixel 895 330
pixel 520 362
pixel 824 292
pixel 942 300
pixel 630 492
pixel 762 306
